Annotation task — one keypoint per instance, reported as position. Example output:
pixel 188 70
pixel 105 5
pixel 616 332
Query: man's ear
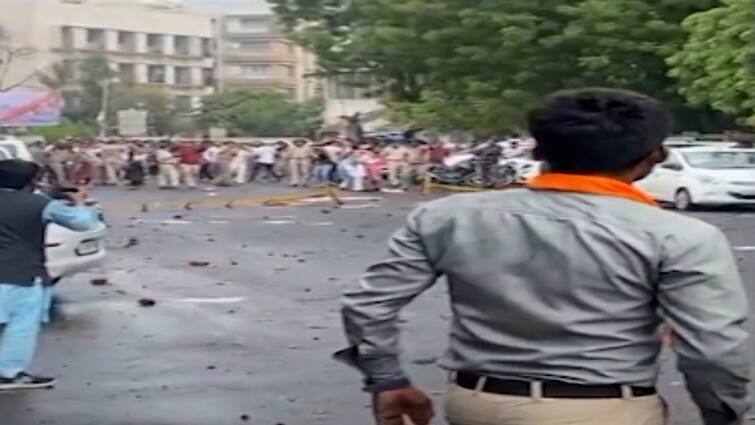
pixel 661 154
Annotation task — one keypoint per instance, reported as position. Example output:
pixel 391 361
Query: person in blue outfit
pixel 25 286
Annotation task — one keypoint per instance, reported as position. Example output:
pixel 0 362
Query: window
pixel 291 71
pixel 66 37
pixel 256 71
pixel 253 47
pixel 156 74
pixel 95 39
pixel 126 41
pixel 155 43
pixel 254 25
pixel 208 77
pixel 181 45
pixel 207 47
pixel 183 76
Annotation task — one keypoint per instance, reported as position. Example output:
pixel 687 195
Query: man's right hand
pixel 390 407
pixel 79 197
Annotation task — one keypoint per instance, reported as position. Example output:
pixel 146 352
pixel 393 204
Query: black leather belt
pixel 551 389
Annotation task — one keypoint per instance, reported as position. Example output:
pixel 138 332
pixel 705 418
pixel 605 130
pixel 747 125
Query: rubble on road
pixel 147 302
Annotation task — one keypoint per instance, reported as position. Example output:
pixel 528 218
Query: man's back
pixel 558 290
pixel 22 233
pixel 556 285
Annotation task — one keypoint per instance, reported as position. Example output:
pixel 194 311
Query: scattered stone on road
pixel 147 302
pixel 99 282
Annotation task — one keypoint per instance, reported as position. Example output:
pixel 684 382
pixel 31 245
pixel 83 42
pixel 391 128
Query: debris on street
pixel 147 302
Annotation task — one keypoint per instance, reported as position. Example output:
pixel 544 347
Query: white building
pixel 148 43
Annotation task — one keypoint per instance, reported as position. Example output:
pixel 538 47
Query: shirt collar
pixel 596 185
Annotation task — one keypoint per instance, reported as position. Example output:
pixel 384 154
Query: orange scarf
pixel 589 184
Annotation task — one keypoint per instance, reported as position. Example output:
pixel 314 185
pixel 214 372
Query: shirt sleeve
pixel 370 313
pixel 701 296
pixel 80 219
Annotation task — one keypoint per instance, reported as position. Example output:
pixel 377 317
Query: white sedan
pixel 706 175
pixel 68 252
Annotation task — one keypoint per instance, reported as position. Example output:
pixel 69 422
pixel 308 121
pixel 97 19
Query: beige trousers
pixel 398 172
pixel 468 407
pixel 112 171
pixel 168 175
pixel 190 174
pixel 299 171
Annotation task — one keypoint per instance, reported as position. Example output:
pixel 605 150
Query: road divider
pixel 264 200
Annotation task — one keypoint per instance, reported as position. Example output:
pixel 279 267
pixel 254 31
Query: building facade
pixel 255 54
pixel 150 45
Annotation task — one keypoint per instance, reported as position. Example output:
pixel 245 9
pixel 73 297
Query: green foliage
pixel 260 113
pixel 714 65
pixel 95 72
pixel 491 56
pixel 87 103
pixel 63 130
pixel 161 116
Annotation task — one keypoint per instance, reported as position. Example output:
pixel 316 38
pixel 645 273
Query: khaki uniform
pixel 225 171
pixel 398 164
pixel 419 161
pixel 112 161
pixel 58 159
pixel 283 161
pixel 168 175
pixel 300 162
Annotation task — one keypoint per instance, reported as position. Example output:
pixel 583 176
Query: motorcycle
pixel 462 169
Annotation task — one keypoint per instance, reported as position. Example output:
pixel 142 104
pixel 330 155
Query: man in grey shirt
pixel 558 290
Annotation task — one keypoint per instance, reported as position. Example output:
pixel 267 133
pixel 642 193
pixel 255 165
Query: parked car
pixel 705 175
pixel 68 252
pixel 16 148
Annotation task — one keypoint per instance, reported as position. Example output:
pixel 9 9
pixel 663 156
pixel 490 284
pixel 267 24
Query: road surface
pixel 247 338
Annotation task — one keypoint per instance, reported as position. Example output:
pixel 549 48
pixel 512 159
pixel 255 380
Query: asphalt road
pixel 247 338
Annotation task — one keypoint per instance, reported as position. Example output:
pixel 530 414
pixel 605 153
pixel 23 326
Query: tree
pixel 161 113
pixel 56 77
pixel 95 77
pixel 447 58
pixel 715 65
pixel 260 113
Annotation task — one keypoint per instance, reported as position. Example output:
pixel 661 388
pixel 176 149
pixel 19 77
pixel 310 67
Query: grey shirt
pixel 563 286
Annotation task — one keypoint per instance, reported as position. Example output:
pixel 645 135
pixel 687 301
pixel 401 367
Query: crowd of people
pixel 189 163
pixel 357 166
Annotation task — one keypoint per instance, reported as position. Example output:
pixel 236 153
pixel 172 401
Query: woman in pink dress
pixel 374 165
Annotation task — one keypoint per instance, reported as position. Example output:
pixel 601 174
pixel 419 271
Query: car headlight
pixel 708 179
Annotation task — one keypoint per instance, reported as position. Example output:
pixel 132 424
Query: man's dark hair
pixel 17 174
pixel 598 130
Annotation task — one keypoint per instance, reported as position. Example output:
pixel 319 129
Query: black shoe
pixel 24 381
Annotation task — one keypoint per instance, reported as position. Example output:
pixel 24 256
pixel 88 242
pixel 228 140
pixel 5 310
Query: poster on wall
pixel 25 107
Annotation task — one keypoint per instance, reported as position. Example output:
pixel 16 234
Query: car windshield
pixel 720 160
pixel 9 148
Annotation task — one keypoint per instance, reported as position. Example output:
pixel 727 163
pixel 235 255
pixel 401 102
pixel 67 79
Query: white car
pixel 16 148
pixel 68 252
pixel 707 175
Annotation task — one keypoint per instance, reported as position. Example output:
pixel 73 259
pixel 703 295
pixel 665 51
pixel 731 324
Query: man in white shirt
pixel 266 158
pixel 210 158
